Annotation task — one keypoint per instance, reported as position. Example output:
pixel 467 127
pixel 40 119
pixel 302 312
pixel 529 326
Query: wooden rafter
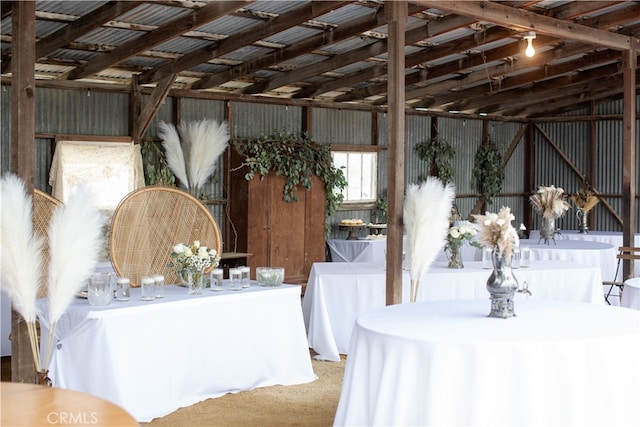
pixel 286 20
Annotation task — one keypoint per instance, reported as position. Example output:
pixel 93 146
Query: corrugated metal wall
pixel 65 111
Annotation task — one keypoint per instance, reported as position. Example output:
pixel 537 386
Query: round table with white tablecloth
pixel 593 254
pixel 445 363
pixel 631 293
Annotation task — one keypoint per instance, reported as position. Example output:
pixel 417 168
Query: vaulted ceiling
pixel 462 56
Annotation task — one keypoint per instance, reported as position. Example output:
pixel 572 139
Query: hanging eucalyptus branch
pixel 488 171
pixel 297 159
pixel 438 153
pixel 156 170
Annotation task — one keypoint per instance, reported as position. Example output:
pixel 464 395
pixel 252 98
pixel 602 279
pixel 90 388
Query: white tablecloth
pixel 338 292
pixel 374 250
pixel 152 358
pixel 447 364
pixel 631 293
pixel 589 253
pixel 361 250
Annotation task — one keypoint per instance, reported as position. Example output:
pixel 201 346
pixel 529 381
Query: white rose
pixel 455 233
pixel 465 229
pixel 187 251
pixel 179 248
pixel 202 253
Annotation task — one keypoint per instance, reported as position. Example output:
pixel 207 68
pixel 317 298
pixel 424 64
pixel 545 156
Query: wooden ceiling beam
pixel 619 17
pixel 475 98
pixel 411 60
pixel 552 89
pixel 78 28
pixel 523 20
pixel 360 54
pixel 361 24
pixel 158 36
pixel 84 25
pixel 287 20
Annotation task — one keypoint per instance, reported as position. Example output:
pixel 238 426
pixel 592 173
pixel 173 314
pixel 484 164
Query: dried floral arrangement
pixel 585 199
pixel 550 202
pixel 495 231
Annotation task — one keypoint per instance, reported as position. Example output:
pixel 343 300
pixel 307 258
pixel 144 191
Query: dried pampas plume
pixel 193 150
pixel 75 239
pixel 427 209
pixel 21 255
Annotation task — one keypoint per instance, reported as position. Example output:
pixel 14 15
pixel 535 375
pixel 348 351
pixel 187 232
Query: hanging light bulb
pixel 530 51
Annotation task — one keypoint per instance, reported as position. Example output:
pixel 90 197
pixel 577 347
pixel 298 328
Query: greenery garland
pixel 437 152
pixel 156 170
pixel 488 171
pixel 297 159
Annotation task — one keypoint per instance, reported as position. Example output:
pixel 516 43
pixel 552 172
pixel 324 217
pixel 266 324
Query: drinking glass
pixel 159 282
pixel 216 275
pixel 235 276
pixel 100 289
pixel 525 257
pixel 148 286
pixel 486 258
pixel 515 259
pixel 123 286
pixel 245 273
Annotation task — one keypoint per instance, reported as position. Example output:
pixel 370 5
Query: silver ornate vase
pixel 548 229
pixel 502 286
pixel 583 228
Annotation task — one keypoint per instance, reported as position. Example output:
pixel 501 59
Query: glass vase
pixel 455 257
pixel 502 286
pixel 193 280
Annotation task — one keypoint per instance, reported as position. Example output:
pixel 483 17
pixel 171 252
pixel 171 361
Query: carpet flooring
pixel 309 405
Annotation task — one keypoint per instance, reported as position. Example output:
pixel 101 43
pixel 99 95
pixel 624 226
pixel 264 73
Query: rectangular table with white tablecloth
pixel 152 358
pixel 337 293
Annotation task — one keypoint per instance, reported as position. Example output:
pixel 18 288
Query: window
pixel 361 171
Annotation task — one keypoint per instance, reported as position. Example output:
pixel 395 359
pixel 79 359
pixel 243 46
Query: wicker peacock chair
pixel 149 222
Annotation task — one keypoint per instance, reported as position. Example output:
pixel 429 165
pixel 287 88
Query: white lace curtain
pixel 110 169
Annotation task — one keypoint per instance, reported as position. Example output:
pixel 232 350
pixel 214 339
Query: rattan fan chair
pixel 149 222
pixel 43 207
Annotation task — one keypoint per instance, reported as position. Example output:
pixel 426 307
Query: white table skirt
pixel 374 250
pixel 585 252
pixel 152 358
pixel 613 238
pixel 442 363
pixel 338 292
pixel 361 250
pixel 631 293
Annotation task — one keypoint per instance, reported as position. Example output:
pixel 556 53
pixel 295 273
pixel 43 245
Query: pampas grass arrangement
pixel 585 199
pixel 193 150
pixel 427 208
pixel 550 202
pixel 74 243
pixel 496 231
pixel 21 255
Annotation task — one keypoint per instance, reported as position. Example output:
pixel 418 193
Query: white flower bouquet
pixel 459 235
pixel 194 258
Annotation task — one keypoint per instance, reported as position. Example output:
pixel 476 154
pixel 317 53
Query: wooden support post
pixel 629 171
pixel 397 13
pixel 22 153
